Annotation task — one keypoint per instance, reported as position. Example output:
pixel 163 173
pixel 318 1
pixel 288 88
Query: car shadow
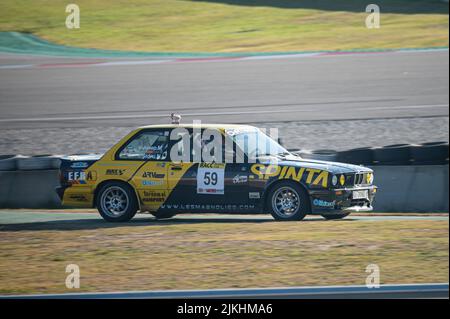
pixel 386 6
pixel 89 223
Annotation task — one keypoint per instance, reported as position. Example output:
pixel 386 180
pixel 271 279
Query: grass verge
pixel 197 255
pixel 231 26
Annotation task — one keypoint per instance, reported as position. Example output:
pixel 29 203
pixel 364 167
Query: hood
pixel 332 167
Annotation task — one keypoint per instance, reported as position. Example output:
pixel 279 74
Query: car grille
pixel 360 179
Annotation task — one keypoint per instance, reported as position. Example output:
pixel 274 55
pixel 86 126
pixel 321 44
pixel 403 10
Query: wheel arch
pixel 275 183
pixel 100 185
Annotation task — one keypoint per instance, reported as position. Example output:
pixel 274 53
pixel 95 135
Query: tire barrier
pixel 3 157
pixel 10 163
pixel 358 156
pixel 397 154
pixel 38 163
pixel 419 185
pixel 435 153
pixel 321 155
pixel 25 163
pixel 430 153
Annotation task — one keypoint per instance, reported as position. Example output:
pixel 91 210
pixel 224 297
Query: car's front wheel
pixel 116 202
pixel 288 201
pixel 335 216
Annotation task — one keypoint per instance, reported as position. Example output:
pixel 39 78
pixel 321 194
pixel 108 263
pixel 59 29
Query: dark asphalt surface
pixel 319 292
pixel 395 86
pixel 20 217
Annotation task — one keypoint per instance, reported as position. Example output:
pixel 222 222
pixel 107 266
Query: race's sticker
pixel 236 131
pixel 210 179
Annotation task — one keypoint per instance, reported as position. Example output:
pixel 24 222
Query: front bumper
pixel 332 201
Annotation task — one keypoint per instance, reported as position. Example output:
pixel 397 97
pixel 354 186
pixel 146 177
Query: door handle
pixel 176 168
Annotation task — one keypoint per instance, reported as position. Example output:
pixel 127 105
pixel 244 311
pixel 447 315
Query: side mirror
pixel 280 141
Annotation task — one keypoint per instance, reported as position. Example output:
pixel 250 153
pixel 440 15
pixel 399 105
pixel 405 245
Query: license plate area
pixel 364 194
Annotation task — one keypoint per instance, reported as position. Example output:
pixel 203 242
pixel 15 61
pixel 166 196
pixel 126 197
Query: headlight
pixel 369 178
pixel 334 180
pixel 342 180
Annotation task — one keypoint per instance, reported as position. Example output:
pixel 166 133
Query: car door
pixel 150 147
pixel 208 186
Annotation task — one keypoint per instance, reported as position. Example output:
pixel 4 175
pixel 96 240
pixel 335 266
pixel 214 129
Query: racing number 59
pixel 210 178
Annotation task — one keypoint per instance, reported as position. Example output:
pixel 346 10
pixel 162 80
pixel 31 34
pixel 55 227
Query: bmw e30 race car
pixel 150 170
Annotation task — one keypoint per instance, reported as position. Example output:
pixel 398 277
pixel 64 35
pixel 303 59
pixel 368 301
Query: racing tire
pixel 116 202
pixel 38 163
pixel 163 215
pixel 397 154
pixel 288 201
pixel 335 216
pixel 434 153
pixel 357 156
pixel 324 155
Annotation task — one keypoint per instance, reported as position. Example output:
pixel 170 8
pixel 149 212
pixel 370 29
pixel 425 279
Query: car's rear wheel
pixel 335 216
pixel 163 215
pixel 288 201
pixel 116 202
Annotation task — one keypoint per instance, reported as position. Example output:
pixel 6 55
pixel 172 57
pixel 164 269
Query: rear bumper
pixel 341 200
pixel 60 191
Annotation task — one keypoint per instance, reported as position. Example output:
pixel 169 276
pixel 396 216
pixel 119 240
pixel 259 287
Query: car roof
pixel 203 125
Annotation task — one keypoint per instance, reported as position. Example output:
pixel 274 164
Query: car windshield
pixel 254 143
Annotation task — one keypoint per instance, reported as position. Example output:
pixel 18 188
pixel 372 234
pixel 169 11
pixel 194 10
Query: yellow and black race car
pixel 162 169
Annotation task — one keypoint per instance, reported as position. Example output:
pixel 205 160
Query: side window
pixel 210 148
pixel 148 145
pixel 203 147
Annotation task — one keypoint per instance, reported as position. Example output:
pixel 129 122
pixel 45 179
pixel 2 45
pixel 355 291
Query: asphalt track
pixel 318 292
pixel 63 93
pixel 55 105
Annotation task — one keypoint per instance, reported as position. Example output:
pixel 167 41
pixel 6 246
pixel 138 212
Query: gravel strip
pixel 313 135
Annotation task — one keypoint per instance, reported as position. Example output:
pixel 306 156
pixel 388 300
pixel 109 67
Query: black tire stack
pixel 396 154
pixel 359 156
pixel 27 163
pixel 434 153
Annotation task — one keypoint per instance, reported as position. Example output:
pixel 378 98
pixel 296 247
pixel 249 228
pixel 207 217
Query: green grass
pixel 176 255
pixel 231 26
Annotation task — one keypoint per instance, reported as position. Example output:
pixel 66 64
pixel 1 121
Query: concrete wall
pixel 412 188
pixel 29 189
pixel 401 189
